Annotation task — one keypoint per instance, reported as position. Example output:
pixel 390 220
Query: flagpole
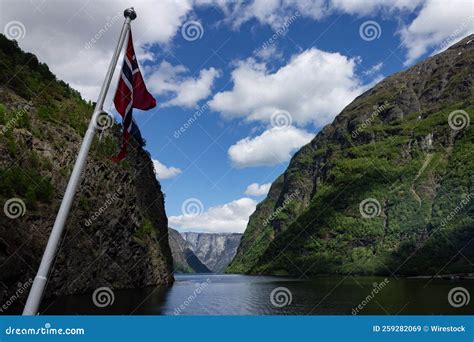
pixel 39 284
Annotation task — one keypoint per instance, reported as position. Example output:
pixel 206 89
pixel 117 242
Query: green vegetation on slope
pixel 51 105
pixel 339 240
pixel 394 149
pixel 42 123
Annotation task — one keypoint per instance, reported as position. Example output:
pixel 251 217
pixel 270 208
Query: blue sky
pixel 255 82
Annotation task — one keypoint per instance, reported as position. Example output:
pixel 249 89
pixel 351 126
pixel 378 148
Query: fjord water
pixel 212 294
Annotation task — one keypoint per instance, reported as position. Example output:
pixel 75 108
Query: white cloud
pixel 373 69
pixel 186 91
pixel 227 218
pixel 314 87
pixel 276 12
pixel 273 146
pixel 271 12
pixel 164 172
pixel 438 25
pixel 58 32
pixel 256 189
pixel 364 7
pixel 268 53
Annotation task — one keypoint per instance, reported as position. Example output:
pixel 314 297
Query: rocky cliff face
pixel 184 259
pixel 117 230
pixel 386 188
pixel 216 251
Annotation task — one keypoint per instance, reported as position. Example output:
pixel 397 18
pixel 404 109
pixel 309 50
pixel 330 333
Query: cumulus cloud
pixel 271 12
pixel 60 34
pixel 272 147
pixel 314 87
pixel 364 7
pixel 227 218
pixel 438 25
pixel 185 91
pixel 276 12
pixel 164 172
pixel 256 189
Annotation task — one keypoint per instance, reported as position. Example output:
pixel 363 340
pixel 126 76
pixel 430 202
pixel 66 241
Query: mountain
pixel 385 188
pixel 215 250
pixel 117 231
pixel 184 259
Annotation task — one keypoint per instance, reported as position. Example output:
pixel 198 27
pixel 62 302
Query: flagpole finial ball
pixel 130 13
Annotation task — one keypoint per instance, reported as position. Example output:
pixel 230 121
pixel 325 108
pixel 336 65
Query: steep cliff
pixel 117 230
pixel 386 188
pixel 215 250
pixel 184 259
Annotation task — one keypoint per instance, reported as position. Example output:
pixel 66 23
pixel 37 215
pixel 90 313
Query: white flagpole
pixel 37 290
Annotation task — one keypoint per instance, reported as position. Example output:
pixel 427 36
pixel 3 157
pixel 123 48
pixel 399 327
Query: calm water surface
pixel 211 294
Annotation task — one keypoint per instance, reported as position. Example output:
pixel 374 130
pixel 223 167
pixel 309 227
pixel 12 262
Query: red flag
pixel 131 93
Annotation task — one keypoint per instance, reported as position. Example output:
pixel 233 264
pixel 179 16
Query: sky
pixel 241 86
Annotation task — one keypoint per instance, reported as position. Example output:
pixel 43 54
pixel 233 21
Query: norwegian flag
pixel 131 93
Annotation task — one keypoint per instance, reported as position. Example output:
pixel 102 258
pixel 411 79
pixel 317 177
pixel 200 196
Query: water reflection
pixel 251 295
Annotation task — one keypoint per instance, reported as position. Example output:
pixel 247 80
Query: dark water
pixel 251 295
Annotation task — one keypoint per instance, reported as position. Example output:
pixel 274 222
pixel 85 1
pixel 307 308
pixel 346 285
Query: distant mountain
pixel 184 259
pixel 216 251
pixel 386 188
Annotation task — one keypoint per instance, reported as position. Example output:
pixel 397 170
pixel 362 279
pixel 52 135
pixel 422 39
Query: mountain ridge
pixel 215 250
pixel 184 259
pixel 400 129
pixel 116 232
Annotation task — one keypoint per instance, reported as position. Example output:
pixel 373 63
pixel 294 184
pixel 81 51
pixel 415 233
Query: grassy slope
pixel 52 104
pixel 339 240
pixel 42 122
pixel 417 185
